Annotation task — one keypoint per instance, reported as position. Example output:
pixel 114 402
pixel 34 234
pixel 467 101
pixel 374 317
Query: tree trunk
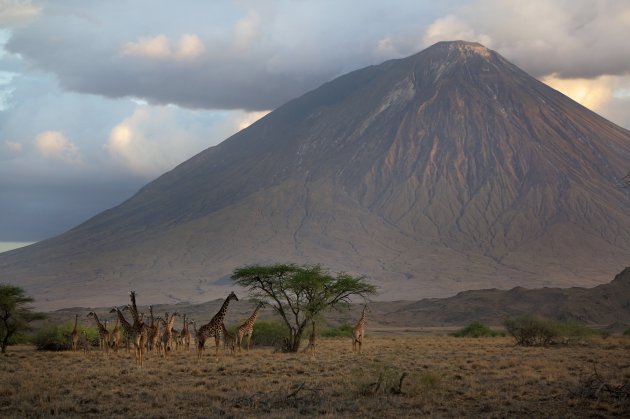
pixel 296 339
pixel 5 343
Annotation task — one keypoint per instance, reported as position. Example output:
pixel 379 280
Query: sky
pixel 98 98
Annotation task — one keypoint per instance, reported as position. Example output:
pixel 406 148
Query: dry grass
pixel 445 377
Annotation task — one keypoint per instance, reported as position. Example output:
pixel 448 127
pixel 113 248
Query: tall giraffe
pixel 247 328
pixel 312 340
pixel 213 328
pixel 358 331
pixel 74 335
pixel 154 332
pixel 167 337
pixel 103 334
pixel 186 335
pixel 127 327
pixel 140 330
pixel 229 340
pixel 116 335
pixel 194 331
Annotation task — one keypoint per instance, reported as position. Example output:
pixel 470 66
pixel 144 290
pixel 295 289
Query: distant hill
pixel 606 305
pixel 603 305
pixel 442 172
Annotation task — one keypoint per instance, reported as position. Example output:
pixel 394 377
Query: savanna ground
pixel 445 377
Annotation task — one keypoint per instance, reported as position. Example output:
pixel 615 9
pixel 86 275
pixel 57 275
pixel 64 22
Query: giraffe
pixel 140 330
pixel 154 332
pixel 358 331
pixel 116 335
pixel 74 335
pixel 167 337
pixel 247 328
pixel 186 335
pixel 103 334
pixel 229 340
pixel 194 332
pixel 85 342
pixel 213 328
pixel 311 347
pixel 127 327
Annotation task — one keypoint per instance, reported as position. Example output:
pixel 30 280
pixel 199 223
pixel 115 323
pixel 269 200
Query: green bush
pixel 269 333
pixel 574 329
pixel 476 330
pixel 531 330
pixel 51 337
pixel 626 332
pixel 345 330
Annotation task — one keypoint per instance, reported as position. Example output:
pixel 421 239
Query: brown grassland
pixel 445 377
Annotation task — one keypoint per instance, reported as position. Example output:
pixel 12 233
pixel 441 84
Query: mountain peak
pixel 465 47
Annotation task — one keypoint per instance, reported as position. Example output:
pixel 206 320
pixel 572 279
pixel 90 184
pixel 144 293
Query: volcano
pixel 445 171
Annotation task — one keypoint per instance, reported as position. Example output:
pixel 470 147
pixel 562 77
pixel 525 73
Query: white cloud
pixel 247 31
pixel 13 146
pixel 450 28
pixel 156 47
pixel 154 139
pixel 15 12
pixel 245 119
pixel 189 47
pixel 592 93
pixel 54 144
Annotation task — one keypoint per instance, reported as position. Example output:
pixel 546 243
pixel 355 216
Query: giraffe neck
pixel 152 318
pixel 185 328
pixel 126 325
pixel 254 316
pixel 98 323
pixel 134 308
pixel 218 318
pixel 76 320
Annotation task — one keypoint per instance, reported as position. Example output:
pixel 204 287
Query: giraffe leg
pixel 216 346
pixel 249 338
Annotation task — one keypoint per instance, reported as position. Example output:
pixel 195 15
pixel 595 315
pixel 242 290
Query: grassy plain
pixel 445 377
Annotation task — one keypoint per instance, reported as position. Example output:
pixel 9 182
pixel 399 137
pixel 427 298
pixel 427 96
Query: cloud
pixel 592 93
pixel 13 146
pixel 157 47
pixel 451 28
pixel 54 144
pixel 218 55
pixel 189 47
pixel 571 38
pixel 16 12
pixel 154 139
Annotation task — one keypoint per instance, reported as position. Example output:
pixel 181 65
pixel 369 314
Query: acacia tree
pixel 299 293
pixel 15 315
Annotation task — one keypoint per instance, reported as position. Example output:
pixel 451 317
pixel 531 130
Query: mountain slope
pixel 448 170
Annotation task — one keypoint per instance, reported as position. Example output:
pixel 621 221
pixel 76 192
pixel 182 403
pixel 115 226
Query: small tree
pixel 15 315
pixel 299 293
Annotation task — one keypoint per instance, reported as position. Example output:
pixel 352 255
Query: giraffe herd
pixel 151 338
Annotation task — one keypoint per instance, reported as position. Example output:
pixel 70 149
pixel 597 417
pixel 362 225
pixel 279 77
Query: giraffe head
pixel 91 314
pixel 232 296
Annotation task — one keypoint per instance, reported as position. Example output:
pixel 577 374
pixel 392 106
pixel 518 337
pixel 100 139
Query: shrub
pixel 51 337
pixel 574 329
pixel 476 330
pixel 531 330
pixel 269 333
pixel 345 330
pixel 626 332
